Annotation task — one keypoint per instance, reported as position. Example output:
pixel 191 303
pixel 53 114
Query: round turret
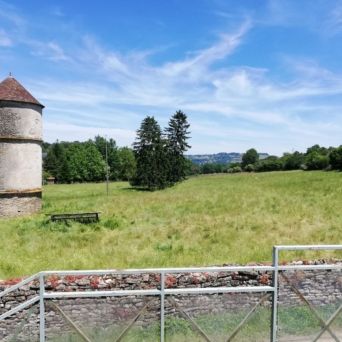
pixel 20 150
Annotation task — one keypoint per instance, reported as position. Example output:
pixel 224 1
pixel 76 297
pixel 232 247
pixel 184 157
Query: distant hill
pixel 220 158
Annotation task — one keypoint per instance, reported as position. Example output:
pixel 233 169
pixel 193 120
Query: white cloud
pixel 195 66
pixel 230 107
pixel 50 50
pixel 8 13
pixel 333 23
pixel 108 61
pixel 56 52
pixel 5 40
pixel 200 88
pixel 66 132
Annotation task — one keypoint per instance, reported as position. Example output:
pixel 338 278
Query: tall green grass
pixel 294 322
pixel 205 220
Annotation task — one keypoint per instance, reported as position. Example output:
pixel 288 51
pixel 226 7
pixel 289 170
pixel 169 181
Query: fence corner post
pixel 274 323
pixel 41 308
pixel 162 307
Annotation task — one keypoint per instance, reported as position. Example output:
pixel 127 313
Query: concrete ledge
pixel 20 194
pixel 18 139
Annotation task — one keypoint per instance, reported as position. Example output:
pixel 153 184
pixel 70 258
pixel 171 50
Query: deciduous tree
pixel 250 157
pixel 335 158
pixel 127 163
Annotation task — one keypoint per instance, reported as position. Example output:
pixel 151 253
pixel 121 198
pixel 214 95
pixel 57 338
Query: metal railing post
pixel 162 306
pixel 274 323
pixel 41 308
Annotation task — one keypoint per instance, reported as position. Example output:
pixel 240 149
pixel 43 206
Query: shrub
pixel 249 168
pixel 316 161
pixel 335 158
pixel 234 169
pixel 292 161
pixel 213 168
pixel 271 163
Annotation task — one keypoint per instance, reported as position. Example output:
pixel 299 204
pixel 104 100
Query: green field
pixel 206 220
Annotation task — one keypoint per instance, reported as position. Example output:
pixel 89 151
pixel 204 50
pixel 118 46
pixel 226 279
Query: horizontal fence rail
pixel 161 291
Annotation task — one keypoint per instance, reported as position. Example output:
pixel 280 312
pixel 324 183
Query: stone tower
pixel 20 150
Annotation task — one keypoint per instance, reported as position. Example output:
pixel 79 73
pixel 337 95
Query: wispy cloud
pixel 56 52
pixel 49 50
pixel 107 61
pixel 197 64
pixel 230 105
pixel 63 132
pixel 57 11
pixel 5 40
pixel 9 14
pixel 196 85
pixel 333 23
pixel 322 17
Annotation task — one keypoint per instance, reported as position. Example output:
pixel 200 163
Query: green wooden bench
pixel 79 217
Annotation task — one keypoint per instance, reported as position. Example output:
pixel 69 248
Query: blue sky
pixel 263 74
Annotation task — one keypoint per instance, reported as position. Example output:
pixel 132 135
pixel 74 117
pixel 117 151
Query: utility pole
pixel 107 168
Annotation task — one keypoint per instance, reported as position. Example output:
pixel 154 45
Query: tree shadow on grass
pixel 134 188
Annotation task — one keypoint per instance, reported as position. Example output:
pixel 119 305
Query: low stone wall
pixel 318 287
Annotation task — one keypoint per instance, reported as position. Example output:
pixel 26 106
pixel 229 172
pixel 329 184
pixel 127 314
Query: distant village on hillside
pixel 220 158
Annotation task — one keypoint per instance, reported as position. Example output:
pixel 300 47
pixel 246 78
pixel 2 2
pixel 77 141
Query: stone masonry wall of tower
pixel 20 150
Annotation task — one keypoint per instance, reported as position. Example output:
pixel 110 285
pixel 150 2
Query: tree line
pixel 315 158
pixel 156 161
pixel 71 162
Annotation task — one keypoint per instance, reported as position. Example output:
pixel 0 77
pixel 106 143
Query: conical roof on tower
pixel 12 90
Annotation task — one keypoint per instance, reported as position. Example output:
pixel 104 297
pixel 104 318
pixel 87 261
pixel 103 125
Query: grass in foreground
pixel 206 220
pixel 293 322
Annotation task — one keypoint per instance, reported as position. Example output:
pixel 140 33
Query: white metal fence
pixel 162 291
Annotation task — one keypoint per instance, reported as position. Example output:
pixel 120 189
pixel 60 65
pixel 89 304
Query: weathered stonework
pixel 21 121
pixel 12 205
pixel 20 150
pixel 320 288
pixel 20 170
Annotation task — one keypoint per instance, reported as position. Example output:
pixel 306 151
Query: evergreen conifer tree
pixel 151 157
pixel 177 135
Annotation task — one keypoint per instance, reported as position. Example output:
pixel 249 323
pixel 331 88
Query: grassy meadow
pixel 206 220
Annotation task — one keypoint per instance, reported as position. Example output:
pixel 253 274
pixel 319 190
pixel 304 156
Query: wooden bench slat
pixel 76 216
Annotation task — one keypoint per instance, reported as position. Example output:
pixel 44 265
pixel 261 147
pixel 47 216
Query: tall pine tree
pixel 177 135
pixel 151 157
